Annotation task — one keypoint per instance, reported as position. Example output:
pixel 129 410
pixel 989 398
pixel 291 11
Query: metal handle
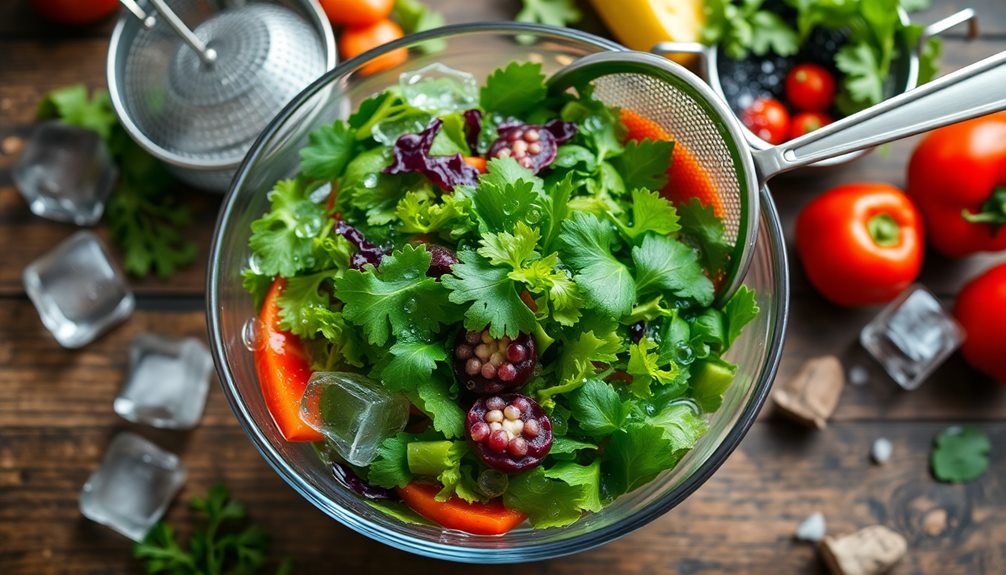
pixel 147 20
pixel 208 55
pixel 967 93
pixel 967 16
pixel 695 48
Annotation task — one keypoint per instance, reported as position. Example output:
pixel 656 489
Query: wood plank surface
pixel 56 416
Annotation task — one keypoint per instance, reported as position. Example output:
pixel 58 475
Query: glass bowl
pixel 478 49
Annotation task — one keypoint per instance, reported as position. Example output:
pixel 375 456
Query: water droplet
pixel 251 334
pixel 533 216
pixel 370 181
pixel 683 353
pixel 255 264
pixel 321 194
pixel 308 227
pixel 410 305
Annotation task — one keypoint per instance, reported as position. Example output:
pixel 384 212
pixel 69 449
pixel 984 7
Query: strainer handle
pixel 967 93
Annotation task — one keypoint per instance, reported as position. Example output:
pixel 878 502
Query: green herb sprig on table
pixel 225 544
pixel 143 217
pixel 875 36
pixel 960 454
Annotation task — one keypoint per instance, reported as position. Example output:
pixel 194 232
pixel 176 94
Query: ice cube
pixel 813 528
pixel 65 173
pixel 881 450
pixel 354 412
pixel 78 291
pixel 167 382
pixel 132 487
pixel 912 336
pixel 438 88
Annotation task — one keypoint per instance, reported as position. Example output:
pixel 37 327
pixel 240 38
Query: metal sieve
pixel 197 83
pixel 697 119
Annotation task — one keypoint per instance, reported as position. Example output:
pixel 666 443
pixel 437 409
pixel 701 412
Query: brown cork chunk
pixel 810 397
pixel 870 551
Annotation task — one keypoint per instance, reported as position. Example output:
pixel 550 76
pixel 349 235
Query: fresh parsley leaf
pixel 644 163
pixel 547 502
pixel 550 12
pixel 397 297
pixel 415 16
pixel 513 90
pixel 606 282
pixel 634 456
pixel 663 263
pixel 505 194
pixel 862 85
pixel 281 239
pixel 650 213
pixel 301 294
pixel 224 544
pixel 495 301
pixel 412 363
pixel 72 105
pixel 587 477
pixel 568 446
pixel 449 217
pixel 442 460
pixel 739 27
pixel 432 397
pixel 680 424
pixel 645 368
pixel 771 33
pixel 960 454
pixel 510 249
pixel 581 353
pixel 556 209
pixel 701 226
pixel 345 343
pixel 366 187
pixel 569 155
pixel 739 311
pixel 543 276
pixel 708 333
pixel 390 467
pixel 329 149
pixel 598 409
pixel 599 128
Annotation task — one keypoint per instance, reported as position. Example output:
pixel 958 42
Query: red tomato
pixel 860 244
pixel 806 122
pixel 283 370
pixel 768 119
pixel 810 88
pixel 356 40
pixel 356 12
pixel 75 12
pixel 981 310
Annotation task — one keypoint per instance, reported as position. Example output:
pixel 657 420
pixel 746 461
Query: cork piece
pixel 870 551
pixel 810 397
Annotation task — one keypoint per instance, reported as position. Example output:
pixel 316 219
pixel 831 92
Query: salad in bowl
pixel 493 307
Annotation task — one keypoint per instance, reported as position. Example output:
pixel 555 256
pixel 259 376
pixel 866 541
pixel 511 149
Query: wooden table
pixel 56 405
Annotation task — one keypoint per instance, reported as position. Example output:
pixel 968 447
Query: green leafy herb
pixel 739 311
pixel 412 362
pixel 390 467
pixel 433 397
pixel 636 454
pixel 397 297
pixel 700 224
pixel 495 301
pixel 646 367
pixel 549 12
pixel 330 149
pixel 514 89
pixel 547 502
pixel 598 409
pixel 742 26
pixel 226 543
pixel 650 213
pixel 606 282
pixel 281 240
pixel 505 195
pixel 415 16
pixel 960 454
pixel 663 263
pixel 644 163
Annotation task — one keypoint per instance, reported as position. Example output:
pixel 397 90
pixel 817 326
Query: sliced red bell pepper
pixel 283 370
pixel 686 179
pixel 477 162
pixel 491 518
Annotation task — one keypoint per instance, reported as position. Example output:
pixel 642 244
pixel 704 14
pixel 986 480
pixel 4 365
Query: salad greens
pixel 874 37
pixel 585 256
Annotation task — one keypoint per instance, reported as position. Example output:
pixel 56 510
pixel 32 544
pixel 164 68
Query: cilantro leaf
pixel 650 213
pixel 605 281
pixel 412 363
pixel 644 163
pixel 556 209
pixel 510 249
pixel 663 263
pixel 544 276
pixel 278 239
pixel 584 350
pixel 771 33
pixel 742 27
pixel 739 311
pixel 645 368
pixel 442 459
pixel 599 127
pixel 366 187
pixel 960 454
pixel 390 467
pixel 420 214
pixel 680 424
pixel 598 409
pixel 550 12
pixel 547 502
pixel 700 224
pixel 513 90
pixel 345 343
pixel 300 295
pixel 505 194
pixel 634 456
pixel 587 477
pixel 495 301
pixel 72 105
pixel 863 86
pixel 329 149
pixel 396 297
pixel 415 16
pixel 567 446
pixel 432 397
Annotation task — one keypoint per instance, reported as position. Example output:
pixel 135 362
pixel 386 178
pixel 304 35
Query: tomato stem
pixel 884 230
pixel 993 211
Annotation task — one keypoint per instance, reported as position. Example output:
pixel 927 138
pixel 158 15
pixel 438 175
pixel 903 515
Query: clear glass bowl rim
pixel 419 546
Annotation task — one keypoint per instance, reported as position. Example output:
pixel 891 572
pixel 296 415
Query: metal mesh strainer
pixel 688 110
pixel 201 114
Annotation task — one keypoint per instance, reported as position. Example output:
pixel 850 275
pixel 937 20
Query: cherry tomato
pixel 356 12
pixel 356 40
pixel 981 309
pixel 806 122
pixel 75 12
pixel 768 119
pixel 810 88
pixel 860 244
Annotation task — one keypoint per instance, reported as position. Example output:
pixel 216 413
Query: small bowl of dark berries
pixel 789 67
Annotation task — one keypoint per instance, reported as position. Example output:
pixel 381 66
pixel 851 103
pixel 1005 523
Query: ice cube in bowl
pixel 476 49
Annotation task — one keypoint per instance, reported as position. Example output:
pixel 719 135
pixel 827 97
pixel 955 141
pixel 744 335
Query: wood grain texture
pixel 56 405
